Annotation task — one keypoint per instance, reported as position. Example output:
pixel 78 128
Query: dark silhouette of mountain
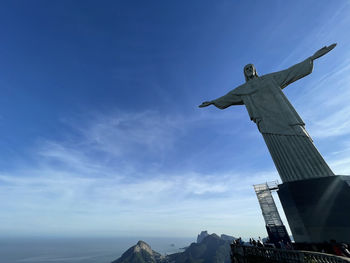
pixel 227 237
pixel 211 249
pixel 140 253
pixel 201 236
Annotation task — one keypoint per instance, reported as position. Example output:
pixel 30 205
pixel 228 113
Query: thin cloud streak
pixel 71 184
pixel 184 197
pixel 324 105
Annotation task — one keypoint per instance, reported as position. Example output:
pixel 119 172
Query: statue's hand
pixel 322 51
pixel 205 104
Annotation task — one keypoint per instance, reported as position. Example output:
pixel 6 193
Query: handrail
pixel 251 254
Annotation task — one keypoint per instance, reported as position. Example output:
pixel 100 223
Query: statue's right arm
pixel 225 101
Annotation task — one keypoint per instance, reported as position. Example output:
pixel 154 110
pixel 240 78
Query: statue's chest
pixel 263 92
pixel 259 87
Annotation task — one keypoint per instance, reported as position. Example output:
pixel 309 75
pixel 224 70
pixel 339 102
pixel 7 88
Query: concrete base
pixel 318 209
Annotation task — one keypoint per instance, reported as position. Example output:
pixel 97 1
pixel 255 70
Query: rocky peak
pixel 140 253
pixel 141 245
pixel 201 236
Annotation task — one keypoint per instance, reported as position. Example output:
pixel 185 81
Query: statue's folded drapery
pixel 296 157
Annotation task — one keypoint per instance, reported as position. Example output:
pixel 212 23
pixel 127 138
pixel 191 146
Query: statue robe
pixel 290 146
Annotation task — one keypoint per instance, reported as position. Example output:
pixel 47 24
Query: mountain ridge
pixel 211 248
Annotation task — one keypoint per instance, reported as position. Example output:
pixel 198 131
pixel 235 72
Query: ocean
pixel 76 250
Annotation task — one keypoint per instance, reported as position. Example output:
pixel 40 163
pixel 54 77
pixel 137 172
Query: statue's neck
pixel 252 77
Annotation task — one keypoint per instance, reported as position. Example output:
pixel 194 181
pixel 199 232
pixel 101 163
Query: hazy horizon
pixel 87 250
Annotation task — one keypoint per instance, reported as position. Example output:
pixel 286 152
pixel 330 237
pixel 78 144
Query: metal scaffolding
pixel 267 204
pixel 276 230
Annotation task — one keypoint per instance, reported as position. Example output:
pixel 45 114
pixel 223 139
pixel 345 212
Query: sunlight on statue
pixel 290 146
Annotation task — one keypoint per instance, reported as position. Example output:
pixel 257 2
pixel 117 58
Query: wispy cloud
pixel 89 182
pixel 327 113
pixel 51 198
pixel 120 133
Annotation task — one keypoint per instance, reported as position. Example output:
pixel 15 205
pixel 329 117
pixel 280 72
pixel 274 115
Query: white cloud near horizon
pixel 51 198
pixel 89 183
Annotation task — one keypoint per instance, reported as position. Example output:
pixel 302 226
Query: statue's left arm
pixel 300 70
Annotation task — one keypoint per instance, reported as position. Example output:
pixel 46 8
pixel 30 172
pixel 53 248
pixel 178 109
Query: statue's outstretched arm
pixel 225 101
pixel 323 51
pixel 300 70
pixel 205 104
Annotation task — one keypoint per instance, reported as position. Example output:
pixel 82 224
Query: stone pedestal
pixel 318 209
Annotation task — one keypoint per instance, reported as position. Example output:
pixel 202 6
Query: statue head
pixel 249 72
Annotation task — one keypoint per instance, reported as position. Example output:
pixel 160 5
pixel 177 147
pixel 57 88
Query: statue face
pixel 249 71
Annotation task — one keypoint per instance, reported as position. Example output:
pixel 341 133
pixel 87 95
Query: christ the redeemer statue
pixel 291 147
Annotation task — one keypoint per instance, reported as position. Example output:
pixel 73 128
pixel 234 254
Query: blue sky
pixel 101 133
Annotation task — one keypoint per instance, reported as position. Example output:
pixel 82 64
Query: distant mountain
pixel 201 236
pixel 227 237
pixel 211 249
pixel 140 253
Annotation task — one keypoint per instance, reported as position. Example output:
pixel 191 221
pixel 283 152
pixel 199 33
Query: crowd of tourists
pixel 332 247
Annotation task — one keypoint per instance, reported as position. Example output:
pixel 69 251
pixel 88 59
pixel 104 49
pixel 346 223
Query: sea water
pixel 77 250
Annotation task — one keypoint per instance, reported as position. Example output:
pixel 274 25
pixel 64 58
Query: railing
pixel 247 254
